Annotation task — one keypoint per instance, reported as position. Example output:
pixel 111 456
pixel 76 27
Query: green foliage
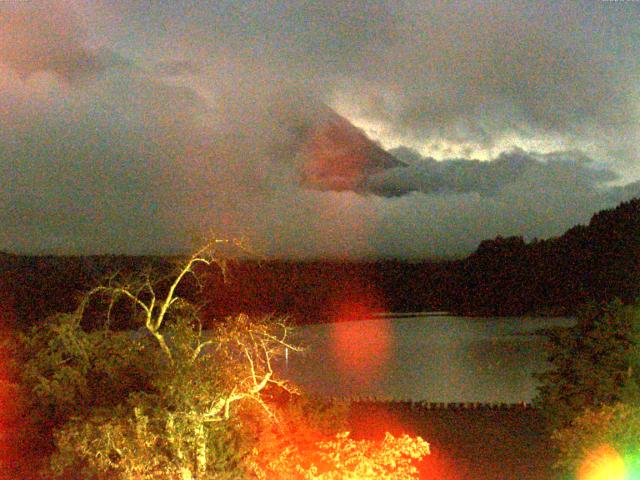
pixel 137 415
pixel 159 402
pixel 594 363
pixel 590 396
pixel 70 370
pixel 611 430
pixel 145 441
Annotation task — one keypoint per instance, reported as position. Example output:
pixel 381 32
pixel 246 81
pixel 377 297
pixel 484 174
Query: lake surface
pixel 434 358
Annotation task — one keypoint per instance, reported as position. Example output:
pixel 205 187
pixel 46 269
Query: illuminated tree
pixel 343 458
pixel 170 400
pixel 160 402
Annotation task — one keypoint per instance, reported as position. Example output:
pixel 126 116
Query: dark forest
pixel 504 276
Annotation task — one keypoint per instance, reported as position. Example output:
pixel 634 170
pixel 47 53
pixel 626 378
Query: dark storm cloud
pixel 468 73
pixel 477 72
pixel 426 175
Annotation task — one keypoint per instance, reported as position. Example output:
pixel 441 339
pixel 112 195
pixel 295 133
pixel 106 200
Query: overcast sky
pixel 134 126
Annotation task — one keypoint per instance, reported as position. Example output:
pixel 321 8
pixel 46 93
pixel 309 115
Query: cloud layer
pixel 135 135
pixel 487 178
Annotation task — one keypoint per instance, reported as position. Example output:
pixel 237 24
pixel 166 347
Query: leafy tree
pixel 601 443
pixel 171 401
pixel 160 402
pixel 590 396
pixel 343 458
pixel 593 363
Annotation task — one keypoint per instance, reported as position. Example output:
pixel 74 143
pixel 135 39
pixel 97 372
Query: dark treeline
pixel 35 286
pixel 504 276
pixel 593 263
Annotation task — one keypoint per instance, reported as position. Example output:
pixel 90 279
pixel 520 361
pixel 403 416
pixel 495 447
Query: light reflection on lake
pixel 432 358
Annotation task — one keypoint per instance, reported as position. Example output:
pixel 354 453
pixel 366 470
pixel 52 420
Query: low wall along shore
pixel 424 405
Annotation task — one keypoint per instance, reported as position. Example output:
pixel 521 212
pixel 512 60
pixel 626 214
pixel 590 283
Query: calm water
pixel 433 358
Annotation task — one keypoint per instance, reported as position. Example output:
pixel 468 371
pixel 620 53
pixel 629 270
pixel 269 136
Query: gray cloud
pixel 140 166
pixel 45 36
pixel 462 73
pixel 475 74
pixel 132 159
pixel 426 175
pixel 173 68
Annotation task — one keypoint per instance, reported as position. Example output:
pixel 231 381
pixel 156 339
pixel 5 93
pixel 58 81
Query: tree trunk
pixel 201 450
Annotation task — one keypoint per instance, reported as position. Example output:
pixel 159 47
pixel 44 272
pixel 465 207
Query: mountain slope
pixel 595 262
pixel 336 155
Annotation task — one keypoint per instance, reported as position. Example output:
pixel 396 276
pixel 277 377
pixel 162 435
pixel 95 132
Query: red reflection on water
pixel 361 350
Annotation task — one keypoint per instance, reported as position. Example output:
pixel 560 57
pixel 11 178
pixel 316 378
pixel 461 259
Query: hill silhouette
pixel 595 262
pixel 504 276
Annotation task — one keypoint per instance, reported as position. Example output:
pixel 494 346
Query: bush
pixel 602 441
pixel 592 364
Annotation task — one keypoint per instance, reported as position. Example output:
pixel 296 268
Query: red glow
pixel 360 349
pixel 7 392
pixel 373 423
pixel 439 465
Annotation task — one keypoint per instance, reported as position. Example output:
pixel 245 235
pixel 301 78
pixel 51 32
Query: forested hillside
pixel 504 276
pixel 596 262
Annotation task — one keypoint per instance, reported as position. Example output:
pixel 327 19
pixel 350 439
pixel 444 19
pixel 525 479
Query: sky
pixel 141 127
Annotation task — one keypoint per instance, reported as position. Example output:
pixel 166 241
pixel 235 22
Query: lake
pixel 436 358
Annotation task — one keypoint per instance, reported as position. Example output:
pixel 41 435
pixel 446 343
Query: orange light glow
pixel 440 465
pixel 7 393
pixel 376 422
pixel 360 349
pixel 604 463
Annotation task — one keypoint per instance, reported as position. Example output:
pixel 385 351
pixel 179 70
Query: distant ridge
pixel 596 262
